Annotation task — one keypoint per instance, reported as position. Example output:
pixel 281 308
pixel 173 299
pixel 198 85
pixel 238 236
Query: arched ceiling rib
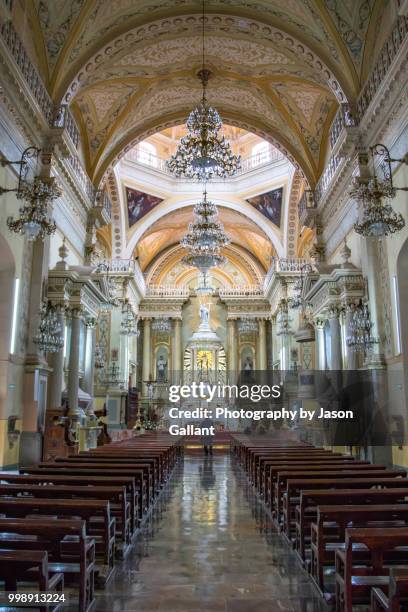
pixel 281 66
pixel 170 228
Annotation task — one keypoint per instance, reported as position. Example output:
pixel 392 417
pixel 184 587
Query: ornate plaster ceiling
pixel 169 230
pixel 281 66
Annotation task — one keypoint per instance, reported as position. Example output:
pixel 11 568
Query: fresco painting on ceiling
pixel 269 204
pixel 139 204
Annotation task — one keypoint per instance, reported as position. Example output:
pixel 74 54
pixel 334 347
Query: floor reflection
pixel 209 545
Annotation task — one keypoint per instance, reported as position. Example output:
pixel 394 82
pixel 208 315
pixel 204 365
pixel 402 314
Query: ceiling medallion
pixel 378 219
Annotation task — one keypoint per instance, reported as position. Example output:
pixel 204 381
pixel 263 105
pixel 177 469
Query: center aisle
pixel 209 545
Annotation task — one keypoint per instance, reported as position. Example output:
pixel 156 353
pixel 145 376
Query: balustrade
pixel 344 118
pixel 241 291
pixel 30 74
pixel 382 65
pixel 167 291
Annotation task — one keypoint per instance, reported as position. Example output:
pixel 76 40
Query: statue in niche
pixel 248 367
pixel 161 366
pixel 204 315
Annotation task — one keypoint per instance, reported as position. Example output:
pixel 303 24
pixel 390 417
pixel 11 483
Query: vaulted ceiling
pixel 280 67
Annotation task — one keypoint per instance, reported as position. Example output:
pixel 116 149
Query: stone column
pixel 232 349
pixel 335 333
pixel 272 325
pixel 73 374
pixel 261 345
pixel 88 379
pixel 146 372
pixel 376 358
pixel 320 346
pixel 176 352
pixel 351 356
pixel 57 363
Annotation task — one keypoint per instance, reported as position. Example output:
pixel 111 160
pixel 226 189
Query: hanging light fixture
pixel 377 218
pixel 37 193
pixel 203 285
pixel 204 153
pixel 360 339
pixel 128 325
pixel 161 325
pixel 246 325
pixel 205 238
pixel 50 336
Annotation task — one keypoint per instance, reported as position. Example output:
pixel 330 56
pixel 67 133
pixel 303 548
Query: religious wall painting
pixel 139 204
pixel 269 204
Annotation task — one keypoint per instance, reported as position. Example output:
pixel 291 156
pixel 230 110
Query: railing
pixel 326 178
pixel 344 118
pixel 284 264
pixel 102 199
pixel 30 74
pixel 64 119
pixel 260 159
pixel 382 65
pixel 139 156
pixel 124 266
pixel 306 202
pixel 241 291
pixel 167 291
pixel 145 158
pixel 81 176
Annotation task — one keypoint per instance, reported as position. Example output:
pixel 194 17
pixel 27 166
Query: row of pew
pixel 64 524
pixel 346 519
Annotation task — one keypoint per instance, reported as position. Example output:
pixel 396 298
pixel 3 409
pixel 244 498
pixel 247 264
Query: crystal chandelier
pixel 161 325
pixel 128 325
pixel 205 238
pixel 204 152
pixel 99 362
pixel 50 337
pixel 377 218
pixel 34 220
pixel 246 325
pixel 360 339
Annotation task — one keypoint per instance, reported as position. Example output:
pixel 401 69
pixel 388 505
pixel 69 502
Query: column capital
pixel 333 311
pixel 319 323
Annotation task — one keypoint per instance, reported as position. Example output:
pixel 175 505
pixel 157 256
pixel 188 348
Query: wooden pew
pixel 324 542
pixel 116 495
pixel 311 462
pixel 141 472
pixel 294 487
pixel 355 579
pixel 44 478
pixel 280 478
pixel 40 534
pixel 96 514
pixel 31 568
pixel 306 511
pixel 397 592
pixel 105 476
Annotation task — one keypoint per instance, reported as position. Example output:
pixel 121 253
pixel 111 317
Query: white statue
pixel 161 369
pixel 204 315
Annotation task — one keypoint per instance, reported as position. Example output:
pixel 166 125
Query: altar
pixel 204 357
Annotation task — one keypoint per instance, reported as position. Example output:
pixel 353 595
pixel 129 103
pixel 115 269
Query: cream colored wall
pixel 354 244
pixel 12 370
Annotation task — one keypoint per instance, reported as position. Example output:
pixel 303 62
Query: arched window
pixel 261 152
pixel 147 153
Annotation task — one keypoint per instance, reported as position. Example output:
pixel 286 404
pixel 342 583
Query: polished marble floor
pixel 209 545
